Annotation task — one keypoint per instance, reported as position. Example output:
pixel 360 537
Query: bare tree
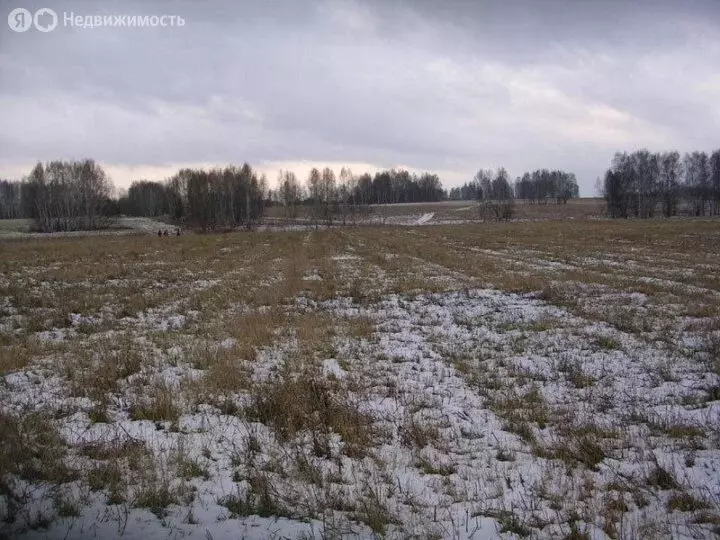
pixel 503 202
pixel 314 186
pixel 290 193
pixel 222 198
pixel 10 200
pixel 715 181
pixel 496 198
pixel 637 184
pixel 670 170
pixel 647 175
pixel 344 190
pixel 328 195
pixel 65 196
pixel 697 181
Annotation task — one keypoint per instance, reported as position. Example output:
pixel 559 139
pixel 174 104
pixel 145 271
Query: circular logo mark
pixel 20 20
pixel 45 20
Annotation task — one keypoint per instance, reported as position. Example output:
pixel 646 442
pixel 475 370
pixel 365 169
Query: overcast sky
pixel 445 86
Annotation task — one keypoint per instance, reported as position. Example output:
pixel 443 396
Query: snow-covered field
pixel 513 380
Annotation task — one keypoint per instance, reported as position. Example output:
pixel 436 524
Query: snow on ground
pixel 446 465
pixel 464 413
pixel 425 218
pixel 402 220
pixel 146 225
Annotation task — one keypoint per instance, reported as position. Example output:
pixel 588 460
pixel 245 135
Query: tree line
pixel 60 196
pixel 215 199
pixel 645 184
pixel 539 186
pixel 493 191
pixel 226 198
pixel 73 195
pixel 11 206
pixel 346 196
pixel 543 185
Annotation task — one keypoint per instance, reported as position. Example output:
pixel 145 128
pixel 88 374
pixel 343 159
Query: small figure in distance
pixel 159 233
pixel 177 231
pixel 166 233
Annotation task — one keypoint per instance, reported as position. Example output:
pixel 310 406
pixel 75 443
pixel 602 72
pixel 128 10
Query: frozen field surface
pixel 435 382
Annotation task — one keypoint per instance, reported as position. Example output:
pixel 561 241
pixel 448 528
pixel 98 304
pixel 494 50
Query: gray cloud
pixel 446 86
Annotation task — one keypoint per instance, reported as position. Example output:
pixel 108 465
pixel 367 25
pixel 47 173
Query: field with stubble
pixel 546 379
pixel 446 213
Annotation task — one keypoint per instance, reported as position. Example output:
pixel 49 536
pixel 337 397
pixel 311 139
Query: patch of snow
pixel 425 218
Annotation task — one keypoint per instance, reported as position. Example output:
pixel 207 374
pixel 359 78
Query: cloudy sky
pixel 446 86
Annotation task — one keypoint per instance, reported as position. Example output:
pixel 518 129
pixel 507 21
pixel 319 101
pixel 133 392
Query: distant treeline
pixel 645 184
pixel 540 186
pixel 60 196
pixel 226 198
pixel 11 205
pixel 210 200
pixel 73 195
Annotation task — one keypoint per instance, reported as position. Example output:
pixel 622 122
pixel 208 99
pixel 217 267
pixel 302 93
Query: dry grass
pixel 158 330
pixel 15 356
pixel 576 209
pixel 258 498
pixel 115 463
pixel 157 402
pixel 31 450
pixel 313 404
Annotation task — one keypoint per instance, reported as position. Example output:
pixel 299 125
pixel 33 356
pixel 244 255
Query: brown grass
pixel 314 404
pixel 584 268
pixel 158 402
pixel 15 356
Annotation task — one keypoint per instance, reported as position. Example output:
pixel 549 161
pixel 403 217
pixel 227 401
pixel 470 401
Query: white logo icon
pixel 45 20
pixel 20 20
